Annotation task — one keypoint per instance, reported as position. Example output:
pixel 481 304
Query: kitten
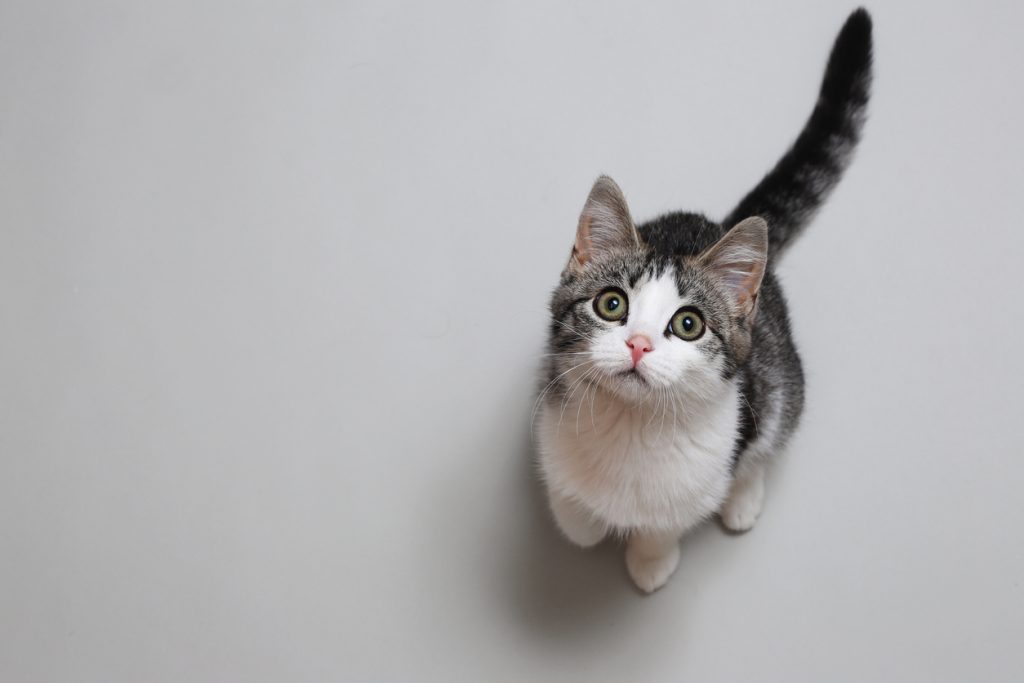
pixel 672 375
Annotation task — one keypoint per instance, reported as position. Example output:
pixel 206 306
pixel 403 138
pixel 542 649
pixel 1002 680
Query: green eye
pixel 611 304
pixel 687 324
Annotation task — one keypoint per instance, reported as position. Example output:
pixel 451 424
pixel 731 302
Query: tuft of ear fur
pixel 605 224
pixel 739 260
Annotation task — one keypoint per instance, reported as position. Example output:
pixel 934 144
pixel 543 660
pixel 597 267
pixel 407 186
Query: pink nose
pixel 639 345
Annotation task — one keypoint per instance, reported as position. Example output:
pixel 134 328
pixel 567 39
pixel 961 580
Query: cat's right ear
pixel 605 225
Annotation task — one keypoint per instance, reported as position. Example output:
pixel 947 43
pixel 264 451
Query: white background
pixel 273 280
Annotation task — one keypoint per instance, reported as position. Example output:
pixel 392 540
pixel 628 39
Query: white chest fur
pixel 662 467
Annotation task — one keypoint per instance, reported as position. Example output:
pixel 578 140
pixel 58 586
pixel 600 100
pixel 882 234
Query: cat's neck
pixel 683 409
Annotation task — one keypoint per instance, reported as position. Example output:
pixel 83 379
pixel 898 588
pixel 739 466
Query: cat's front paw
pixel 576 524
pixel 743 507
pixel 651 571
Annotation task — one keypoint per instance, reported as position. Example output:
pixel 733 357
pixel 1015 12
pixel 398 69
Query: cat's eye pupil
pixel 611 305
pixel 687 325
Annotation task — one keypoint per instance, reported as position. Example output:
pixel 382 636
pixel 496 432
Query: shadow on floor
pixel 554 587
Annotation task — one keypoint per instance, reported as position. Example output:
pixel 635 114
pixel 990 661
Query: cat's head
pixel 639 321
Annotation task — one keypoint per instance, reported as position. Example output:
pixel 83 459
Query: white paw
pixel 585 534
pixel 743 508
pixel 576 524
pixel 648 572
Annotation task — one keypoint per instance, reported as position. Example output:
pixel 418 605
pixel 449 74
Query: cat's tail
pixel 788 197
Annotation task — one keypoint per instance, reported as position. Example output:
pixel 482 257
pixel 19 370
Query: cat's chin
pixel 629 387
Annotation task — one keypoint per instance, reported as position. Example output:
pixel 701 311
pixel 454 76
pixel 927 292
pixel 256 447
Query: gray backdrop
pixel 273 280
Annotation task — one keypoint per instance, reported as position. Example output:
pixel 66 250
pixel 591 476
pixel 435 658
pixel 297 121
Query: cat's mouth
pixel 633 374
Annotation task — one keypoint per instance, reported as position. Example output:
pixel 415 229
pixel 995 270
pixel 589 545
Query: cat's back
pixel 680 233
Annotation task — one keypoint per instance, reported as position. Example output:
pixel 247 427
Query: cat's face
pixel 641 326
pixel 647 326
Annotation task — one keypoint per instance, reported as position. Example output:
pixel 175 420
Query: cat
pixel 671 376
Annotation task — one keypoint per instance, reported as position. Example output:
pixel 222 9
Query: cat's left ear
pixel 739 260
pixel 605 224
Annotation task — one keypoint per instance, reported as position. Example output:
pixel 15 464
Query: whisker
pixel 574 330
pixel 547 388
pixel 568 398
pixel 590 372
pixel 753 413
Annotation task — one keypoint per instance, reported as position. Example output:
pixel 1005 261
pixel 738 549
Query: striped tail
pixel 789 196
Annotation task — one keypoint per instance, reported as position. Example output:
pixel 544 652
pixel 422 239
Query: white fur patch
pixel 651 454
pixel 656 466
pixel 647 452
pixel 673 364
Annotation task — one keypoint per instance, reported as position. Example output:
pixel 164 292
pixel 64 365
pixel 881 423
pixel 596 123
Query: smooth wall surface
pixel 273 280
